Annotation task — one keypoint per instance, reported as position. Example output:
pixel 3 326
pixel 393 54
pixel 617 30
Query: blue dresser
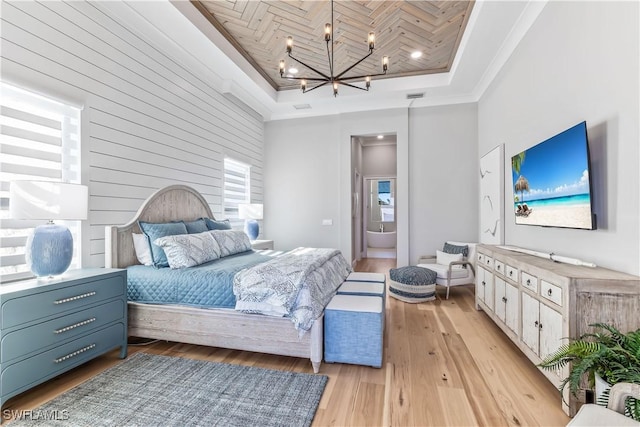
pixel 48 326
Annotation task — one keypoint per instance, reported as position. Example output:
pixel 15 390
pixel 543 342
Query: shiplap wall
pixel 151 116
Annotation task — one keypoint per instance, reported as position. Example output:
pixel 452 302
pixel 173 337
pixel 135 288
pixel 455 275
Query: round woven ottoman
pixel 412 284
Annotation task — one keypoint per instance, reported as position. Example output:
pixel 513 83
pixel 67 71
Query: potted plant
pixel 607 352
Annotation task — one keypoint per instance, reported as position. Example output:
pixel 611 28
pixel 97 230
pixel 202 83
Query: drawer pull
pixel 529 282
pixel 77 297
pixel 498 267
pixel 549 292
pixel 75 353
pixel 510 273
pixel 68 328
pixel 483 283
pixel 504 299
pixel 536 324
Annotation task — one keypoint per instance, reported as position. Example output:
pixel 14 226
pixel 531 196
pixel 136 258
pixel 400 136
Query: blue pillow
pixel 154 231
pixel 212 224
pixel 196 226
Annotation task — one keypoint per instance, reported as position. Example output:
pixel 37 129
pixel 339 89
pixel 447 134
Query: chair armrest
pixel 452 263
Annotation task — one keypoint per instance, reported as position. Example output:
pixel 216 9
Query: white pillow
pixel 445 258
pixel 231 241
pixel 142 249
pixel 188 250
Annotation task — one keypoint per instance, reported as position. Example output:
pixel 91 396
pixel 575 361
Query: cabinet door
pixel 480 284
pixel 530 322
pixel 500 299
pixel 511 307
pixel 488 289
pixel 550 330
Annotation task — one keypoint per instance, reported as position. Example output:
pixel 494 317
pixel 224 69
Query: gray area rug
pixel 153 390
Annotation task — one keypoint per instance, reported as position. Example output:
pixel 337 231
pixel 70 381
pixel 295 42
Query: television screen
pixel 551 182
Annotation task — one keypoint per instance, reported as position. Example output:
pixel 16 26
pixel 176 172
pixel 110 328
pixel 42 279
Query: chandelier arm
pixel 354 65
pixel 309 67
pixel 330 56
pixel 313 79
pixel 362 77
pixel 316 87
pixel 342 82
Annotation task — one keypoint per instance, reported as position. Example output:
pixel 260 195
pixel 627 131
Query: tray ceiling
pixel 259 29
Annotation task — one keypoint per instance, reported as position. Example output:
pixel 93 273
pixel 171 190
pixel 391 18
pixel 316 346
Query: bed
pixel 225 328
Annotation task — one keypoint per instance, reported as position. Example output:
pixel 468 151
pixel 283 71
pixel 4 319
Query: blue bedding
pixel 209 285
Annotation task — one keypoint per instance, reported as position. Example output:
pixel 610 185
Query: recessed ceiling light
pixel 380 136
pixel 417 54
pixel 293 70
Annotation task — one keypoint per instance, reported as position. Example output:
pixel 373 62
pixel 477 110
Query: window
pixel 237 176
pixel 40 141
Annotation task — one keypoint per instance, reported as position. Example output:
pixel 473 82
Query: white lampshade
pixel 48 200
pixel 250 211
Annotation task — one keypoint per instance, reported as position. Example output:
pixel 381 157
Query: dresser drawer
pixel 487 261
pixel 530 282
pixel 481 258
pixel 551 292
pixel 40 305
pixel 28 340
pixel 511 273
pixel 29 372
pixel 498 266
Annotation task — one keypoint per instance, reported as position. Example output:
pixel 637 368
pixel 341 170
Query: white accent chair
pixel 448 274
pixel 611 415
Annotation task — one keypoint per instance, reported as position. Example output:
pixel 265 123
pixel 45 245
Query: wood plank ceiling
pixel 259 29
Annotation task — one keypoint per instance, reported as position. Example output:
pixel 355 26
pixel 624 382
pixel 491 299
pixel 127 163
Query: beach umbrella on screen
pixel 522 185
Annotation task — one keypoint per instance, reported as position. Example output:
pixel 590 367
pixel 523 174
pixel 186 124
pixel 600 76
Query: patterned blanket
pixel 297 284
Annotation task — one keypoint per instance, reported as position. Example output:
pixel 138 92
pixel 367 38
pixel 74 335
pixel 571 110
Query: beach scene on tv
pixel 551 182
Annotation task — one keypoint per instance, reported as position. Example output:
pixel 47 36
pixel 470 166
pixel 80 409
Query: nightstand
pixel 48 326
pixel 262 244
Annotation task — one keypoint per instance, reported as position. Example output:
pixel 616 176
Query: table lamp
pixel 49 248
pixel 250 213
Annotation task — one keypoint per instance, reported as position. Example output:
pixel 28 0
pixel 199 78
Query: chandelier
pixel 334 80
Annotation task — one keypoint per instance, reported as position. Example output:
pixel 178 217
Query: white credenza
pixel 538 303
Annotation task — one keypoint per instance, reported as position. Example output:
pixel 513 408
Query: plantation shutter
pixel 40 140
pixel 237 176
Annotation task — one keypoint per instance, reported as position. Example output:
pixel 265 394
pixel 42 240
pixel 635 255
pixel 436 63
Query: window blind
pixel 237 177
pixel 40 140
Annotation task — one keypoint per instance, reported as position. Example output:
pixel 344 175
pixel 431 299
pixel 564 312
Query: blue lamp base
pixel 49 250
pixel 252 228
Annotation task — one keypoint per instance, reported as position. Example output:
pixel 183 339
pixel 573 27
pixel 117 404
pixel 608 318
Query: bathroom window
pixel 382 200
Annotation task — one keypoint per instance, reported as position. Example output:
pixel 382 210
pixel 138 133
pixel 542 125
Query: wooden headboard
pixel 172 203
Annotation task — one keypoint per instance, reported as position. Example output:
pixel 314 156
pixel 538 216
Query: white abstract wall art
pixel 492 196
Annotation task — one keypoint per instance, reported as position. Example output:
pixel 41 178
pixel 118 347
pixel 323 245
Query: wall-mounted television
pixel 552 182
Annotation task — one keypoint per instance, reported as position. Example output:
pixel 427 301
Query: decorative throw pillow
pixel 231 241
pixel 456 249
pixel 212 224
pixel 142 249
pixel 154 231
pixel 445 258
pixel 188 250
pixel 196 226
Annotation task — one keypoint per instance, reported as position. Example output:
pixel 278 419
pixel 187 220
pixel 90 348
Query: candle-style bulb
pixel 282 67
pixel 289 44
pixel 372 40
pixel 327 32
pixel 385 63
pixel 367 81
pixel 335 88
pixel 303 85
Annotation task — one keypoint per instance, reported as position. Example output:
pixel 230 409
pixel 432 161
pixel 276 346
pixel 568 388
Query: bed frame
pixel 223 328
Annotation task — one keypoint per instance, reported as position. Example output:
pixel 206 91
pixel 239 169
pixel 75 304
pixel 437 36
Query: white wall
pixel 578 62
pixel 152 116
pixel 307 178
pixel 444 178
pixel 302 182
pixel 379 160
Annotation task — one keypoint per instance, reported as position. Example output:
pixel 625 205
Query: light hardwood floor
pixel 446 364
